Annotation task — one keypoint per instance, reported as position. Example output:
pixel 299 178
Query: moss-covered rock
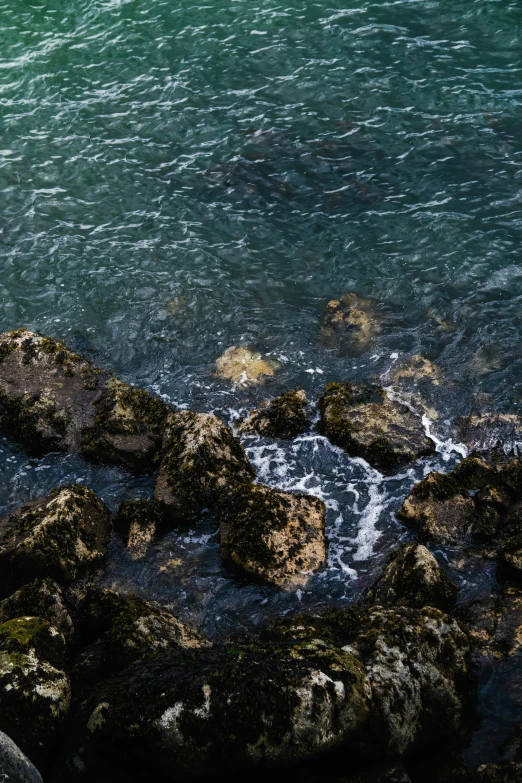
pixel 60 537
pixel 366 423
pixel 272 536
pixel 508 772
pixel 138 523
pixel 413 578
pixel 41 598
pixel 199 712
pixel 201 460
pixel 284 417
pixel 34 690
pixel 124 629
pixel 15 767
pixel 245 366
pixel 351 323
pixel 52 399
pixel 439 509
pixel 510 556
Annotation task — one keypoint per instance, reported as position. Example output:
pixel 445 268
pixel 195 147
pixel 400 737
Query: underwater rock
pixel 60 537
pixel 245 366
pixel 283 417
pixel 272 536
pixel 440 509
pixel 201 460
pixel 15 767
pixel 138 523
pixel 35 692
pixel 126 629
pixel 351 323
pixel 52 399
pixel 366 423
pixel 487 431
pixel 41 598
pixel 413 578
pixel 416 368
pixel 209 711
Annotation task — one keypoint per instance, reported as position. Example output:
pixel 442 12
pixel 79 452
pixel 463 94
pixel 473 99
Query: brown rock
pixel 245 366
pixel 351 323
pixel 271 536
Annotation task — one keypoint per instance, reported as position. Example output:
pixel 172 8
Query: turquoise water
pixel 176 178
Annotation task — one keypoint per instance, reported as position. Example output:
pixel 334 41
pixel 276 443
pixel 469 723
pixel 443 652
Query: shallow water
pixel 176 178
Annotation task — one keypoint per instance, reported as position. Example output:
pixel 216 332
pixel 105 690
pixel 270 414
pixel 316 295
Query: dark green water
pixel 176 178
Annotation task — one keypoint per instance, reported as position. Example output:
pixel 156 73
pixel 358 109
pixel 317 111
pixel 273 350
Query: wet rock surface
pixel 351 323
pixel 273 537
pixel 61 537
pixel 52 399
pixel 245 366
pixel 42 598
pixel 366 423
pixel 138 523
pixel 201 460
pixel 15 767
pixel 413 578
pixel 284 417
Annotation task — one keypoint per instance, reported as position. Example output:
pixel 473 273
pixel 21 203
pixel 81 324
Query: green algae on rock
pixel 35 692
pixel 245 366
pixel 52 399
pixel 413 578
pixel 41 598
pixel 201 460
pixel 366 423
pixel 62 537
pixel 272 536
pixel 283 417
pixel 351 323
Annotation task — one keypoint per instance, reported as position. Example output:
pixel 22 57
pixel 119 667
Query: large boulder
pixel 272 536
pixel 60 537
pixel 201 460
pixel 283 417
pixel 413 578
pixel 52 399
pixel 189 713
pixel 366 423
pixel 15 767
pixel 35 692
pixel 41 598
pixel 124 629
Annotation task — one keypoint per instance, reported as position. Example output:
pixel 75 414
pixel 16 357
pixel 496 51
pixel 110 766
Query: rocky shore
pixel 96 683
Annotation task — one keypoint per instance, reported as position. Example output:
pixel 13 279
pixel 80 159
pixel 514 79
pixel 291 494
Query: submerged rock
pixel 366 423
pixel 52 399
pixel 60 537
pixel 284 417
pixel 245 366
pixel 201 461
pixel 487 431
pixel 416 368
pixel 42 598
pixel 15 767
pixel 413 578
pixel 272 536
pixel 351 323
pixel 34 690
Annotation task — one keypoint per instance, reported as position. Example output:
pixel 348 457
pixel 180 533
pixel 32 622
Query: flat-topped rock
pixel 366 423
pixel 283 417
pixel 52 399
pixel 62 537
pixel 201 460
pixel 272 536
